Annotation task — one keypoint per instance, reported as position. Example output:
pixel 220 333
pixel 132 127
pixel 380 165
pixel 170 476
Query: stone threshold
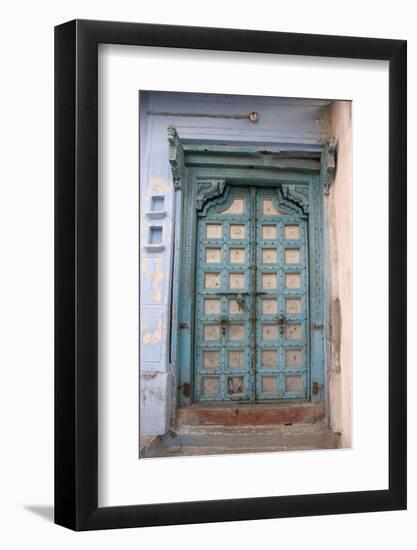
pixel 250 414
pixel 237 439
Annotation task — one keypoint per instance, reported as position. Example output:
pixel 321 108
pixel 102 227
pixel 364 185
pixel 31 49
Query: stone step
pixel 204 440
pixel 249 414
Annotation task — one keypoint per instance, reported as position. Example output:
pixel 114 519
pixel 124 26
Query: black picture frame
pixel 76 272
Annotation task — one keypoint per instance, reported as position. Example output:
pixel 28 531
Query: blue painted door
pixel 251 341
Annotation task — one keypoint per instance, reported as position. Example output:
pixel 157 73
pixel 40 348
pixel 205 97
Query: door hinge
pixel 185 389
pixel 316 387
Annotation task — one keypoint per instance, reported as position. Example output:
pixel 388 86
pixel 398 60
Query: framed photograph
pixel 230 255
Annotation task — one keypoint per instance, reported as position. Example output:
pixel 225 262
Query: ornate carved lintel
pixel 328 164
pixel 297 194
pixel 176 158
pixel 208 189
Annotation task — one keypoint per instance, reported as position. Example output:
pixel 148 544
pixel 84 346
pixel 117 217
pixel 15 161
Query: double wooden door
pixel 251 322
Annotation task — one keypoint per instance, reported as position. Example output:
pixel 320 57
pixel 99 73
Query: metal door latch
pixel 224 321
pixel 316 387
pixel 185 389
pixel 282 321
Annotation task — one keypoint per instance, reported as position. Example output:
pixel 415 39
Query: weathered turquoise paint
pixel 292 350
pixel 262 362
pixel 217 237
pixel 297 178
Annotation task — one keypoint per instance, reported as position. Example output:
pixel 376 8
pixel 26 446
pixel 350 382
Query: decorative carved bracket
pixel 328 164
pixel 297 194
pixel 176 158
pixel 208 189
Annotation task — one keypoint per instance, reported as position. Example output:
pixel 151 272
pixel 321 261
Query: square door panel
pixel 269 281
pixel 293 306
pixel 211 359
pixel 210 385
pixel 292 280
pixel 293 331
pixel 292 256
pixel 294 383
pixel 269 332
pixel 237 280
pixel 269 307
pixel 293 357
pixel 236 332
pixel 214 231
pixel 237 255
pixel 269 359
pixel 292 232
pixel 269 384
pixel 269 255
pixel 213 255
pixel 269 232
pixel 237 231
pixel 211 306
pixel 236 359
pixel 212 280
pixel 211 332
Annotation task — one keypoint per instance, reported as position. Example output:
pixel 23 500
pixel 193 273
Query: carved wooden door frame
pixel 300 175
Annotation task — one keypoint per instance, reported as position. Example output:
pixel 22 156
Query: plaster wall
pixel 281 120
pixel 339 225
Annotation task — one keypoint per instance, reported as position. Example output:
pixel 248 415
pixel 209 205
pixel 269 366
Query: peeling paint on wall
pixel 152 337
pixel 156 276
pixel 153 413
pixel 159 185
